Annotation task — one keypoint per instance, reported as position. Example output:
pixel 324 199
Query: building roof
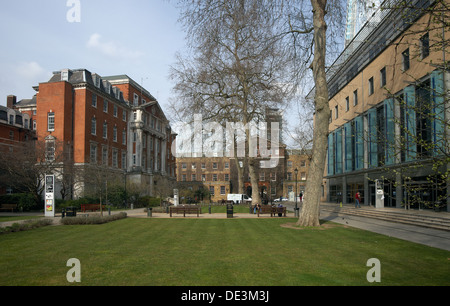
pixel 26 102
pixel 84 76
pixel 379 31
pixel 125 79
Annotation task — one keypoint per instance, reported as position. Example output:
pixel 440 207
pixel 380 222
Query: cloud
pixel 18 78
pixel 30 71
pixel 111 48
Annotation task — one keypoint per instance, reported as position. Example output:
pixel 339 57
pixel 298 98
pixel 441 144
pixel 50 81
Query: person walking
pixel 357 200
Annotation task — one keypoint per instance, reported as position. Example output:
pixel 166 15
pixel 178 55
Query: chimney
pixel 11 101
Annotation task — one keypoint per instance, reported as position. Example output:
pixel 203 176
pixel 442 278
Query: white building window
pixel 115 156
pixel 115 134
pixel 105 156
pixel 94 126
pixel 124 160
pixel 51 121
pixel 50 150
pixel 105 130
pixel 93 153
pixel 105 106
pixel 115 111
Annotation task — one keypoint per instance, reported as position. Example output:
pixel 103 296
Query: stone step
pixel 434 222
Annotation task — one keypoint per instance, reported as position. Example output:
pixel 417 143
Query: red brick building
pixel 15 132
pixel 109 124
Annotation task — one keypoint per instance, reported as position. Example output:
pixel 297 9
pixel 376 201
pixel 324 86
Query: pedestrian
pixel 357 200
pixel 280 210
pixel 301 196
pixel 257 207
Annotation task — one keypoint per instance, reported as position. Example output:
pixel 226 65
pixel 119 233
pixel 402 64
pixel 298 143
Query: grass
pixel 215 252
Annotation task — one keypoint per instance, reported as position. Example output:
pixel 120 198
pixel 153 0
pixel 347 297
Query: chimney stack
pixel 11 101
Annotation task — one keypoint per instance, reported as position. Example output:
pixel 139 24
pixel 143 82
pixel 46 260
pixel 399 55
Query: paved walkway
pixel 430 237
pixel 427 236
pixel 418 234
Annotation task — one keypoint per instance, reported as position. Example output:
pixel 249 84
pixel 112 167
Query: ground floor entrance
pixel 420 192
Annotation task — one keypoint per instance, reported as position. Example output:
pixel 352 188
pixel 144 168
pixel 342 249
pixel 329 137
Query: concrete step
pixel 435 222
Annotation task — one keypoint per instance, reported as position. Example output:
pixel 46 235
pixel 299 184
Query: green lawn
pixel 214 252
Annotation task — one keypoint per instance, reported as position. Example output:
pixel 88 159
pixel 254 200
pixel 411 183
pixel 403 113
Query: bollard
pixel 209 209
pixel 229 210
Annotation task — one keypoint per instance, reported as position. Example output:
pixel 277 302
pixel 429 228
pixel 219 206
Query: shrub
pixel 25 201
pixel 24 226
pixel 148 201
pixel 97 219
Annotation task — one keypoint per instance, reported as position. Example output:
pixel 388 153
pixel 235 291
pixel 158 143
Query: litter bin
pixel 71 211
pixel 149 211
pixel 229 210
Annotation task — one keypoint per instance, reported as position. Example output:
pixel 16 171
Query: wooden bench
pixel 184 210
pixel 265 209
pixel 280 210
pixel 91 207
pixel 8 207
pixel 273 211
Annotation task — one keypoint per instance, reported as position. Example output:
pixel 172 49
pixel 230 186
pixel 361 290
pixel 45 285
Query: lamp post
pixel 296 209
pixel 125 184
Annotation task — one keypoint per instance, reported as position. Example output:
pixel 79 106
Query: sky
pixel 138 38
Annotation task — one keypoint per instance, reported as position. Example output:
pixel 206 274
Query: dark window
pixel 383 77
pixel 423 119
pixel 425 45
pixel 405 56
pixel 371 89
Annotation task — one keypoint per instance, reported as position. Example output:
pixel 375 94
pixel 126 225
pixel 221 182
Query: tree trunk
pixel 240 174
pixel 253 165
pixel 256 197
pixel 311 205
pixel 239 170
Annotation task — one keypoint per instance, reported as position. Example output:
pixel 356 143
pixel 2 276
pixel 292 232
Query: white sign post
pixel 175 196
pixel 50 196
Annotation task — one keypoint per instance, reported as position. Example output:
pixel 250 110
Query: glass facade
pixel 405 131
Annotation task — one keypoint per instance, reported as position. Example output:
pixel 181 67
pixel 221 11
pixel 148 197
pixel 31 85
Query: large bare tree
pixel 238 66
pixel 310 211
pixel 315 41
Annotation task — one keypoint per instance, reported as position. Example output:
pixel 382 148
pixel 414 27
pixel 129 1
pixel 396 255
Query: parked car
pixel 280 199
pixel 238 198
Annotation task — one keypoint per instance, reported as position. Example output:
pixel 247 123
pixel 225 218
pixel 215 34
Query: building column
pixel 163 156
pixel 398 190
pixel 344 189
pixel 366 189
pixel 446 81
pixel 155 147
